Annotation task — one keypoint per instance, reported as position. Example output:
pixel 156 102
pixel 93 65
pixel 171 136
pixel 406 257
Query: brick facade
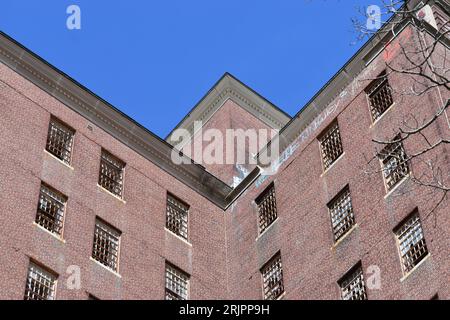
pixel 224 252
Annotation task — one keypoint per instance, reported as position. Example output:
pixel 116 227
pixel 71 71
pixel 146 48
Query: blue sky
pixel 154 60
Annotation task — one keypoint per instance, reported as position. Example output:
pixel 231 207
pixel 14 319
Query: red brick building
pixel 93 206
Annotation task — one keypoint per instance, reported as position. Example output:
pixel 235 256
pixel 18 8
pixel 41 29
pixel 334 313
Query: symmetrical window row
pixel 60 144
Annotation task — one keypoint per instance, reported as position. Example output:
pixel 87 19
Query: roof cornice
pixel 107 117
pixel 228 87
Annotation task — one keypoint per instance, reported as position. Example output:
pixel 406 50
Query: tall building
pixel 93 205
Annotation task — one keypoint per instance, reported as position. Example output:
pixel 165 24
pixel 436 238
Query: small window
pixel 60 140
pixel 267 208
pixel 411 242
pixel 106 244
pixel 352 284
pixel 111 173
pixel 341 211
pixel 41 283
pixel 177 283
pixel 394 163
pixel 177 213
pixel 272 276
pixel 50 212
pixel 379 94
pixel 331 145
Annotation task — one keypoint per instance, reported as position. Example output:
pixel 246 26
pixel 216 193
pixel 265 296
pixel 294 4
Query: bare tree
pixel 422 58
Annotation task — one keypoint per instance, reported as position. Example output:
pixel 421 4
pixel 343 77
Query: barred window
pixel 267 208
pixel 111 173
pixel 106 244
pixel 352 284
pixel 379 94
pixel 60 140
pixel 272 276
pixel 177 216
pixel 394 163
pixel 50 211
pixel 41 283
pixel 411 242
pixel 341 211
pixel 331 145
pixel 177 283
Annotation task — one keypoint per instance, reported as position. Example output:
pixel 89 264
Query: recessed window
pixel 111 173
pixel 341 211
pixel 177 213
pixel 331 145
pixel 394 163
pixel 379 94
pixel 267 207
pixel 177 283
pixel 106 244
pixel 411 242
pixel 272 277
pixel 352 284
pixel 50 212
pixel 41 283
pixel 60 140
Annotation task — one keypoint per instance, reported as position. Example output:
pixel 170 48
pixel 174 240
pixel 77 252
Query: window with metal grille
pixel 379 94
pixel 394 163
pixel 111 173
pixel 177 216
pixel 106 244
pixel 50 211
pixel 272 276
pixel 177 283
pixel 341 211
pixel 352 284
pixel 267 208
pixel 411 242
pixel 331 145
pixel 60 140
pixel 41 283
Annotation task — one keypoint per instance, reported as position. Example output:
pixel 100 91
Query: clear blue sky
pixel 154 60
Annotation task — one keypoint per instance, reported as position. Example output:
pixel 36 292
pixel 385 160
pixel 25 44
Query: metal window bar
pixel 272 274
pixel 267 208
pixel 412 245
pixel 111 174
pixel 60 140
pixel 106 245
pixel 177 213
pixel 352 285
pixel 331 145
pixel 177 283
pixel 380 96
pixel 342 216
pixel 395 164
pixel 50 211
pixel 40 285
